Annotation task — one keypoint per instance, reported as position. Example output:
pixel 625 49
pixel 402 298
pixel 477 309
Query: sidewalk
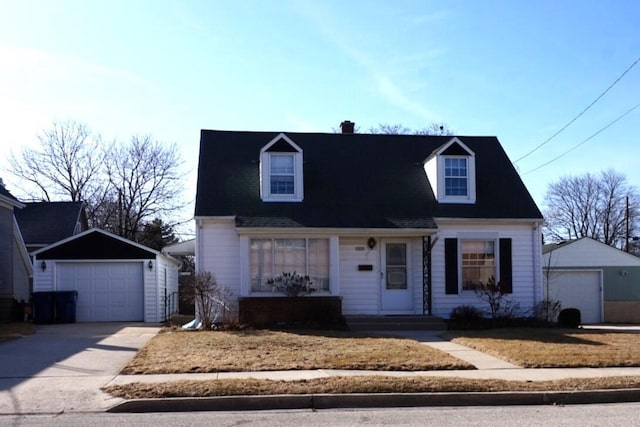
pixel 488 367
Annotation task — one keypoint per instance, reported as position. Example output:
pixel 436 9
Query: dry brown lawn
pixel 9 331
pixel 362 384
pixel 263 350
pixel 554 347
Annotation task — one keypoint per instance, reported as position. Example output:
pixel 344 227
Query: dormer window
pixel 451 171
pixel 281 175
pixel 456 176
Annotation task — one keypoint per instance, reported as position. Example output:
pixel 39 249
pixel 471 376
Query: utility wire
pixel 581 113
pixel 586 140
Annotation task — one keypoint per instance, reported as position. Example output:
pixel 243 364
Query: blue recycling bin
pixel 65 306
pixel 43 307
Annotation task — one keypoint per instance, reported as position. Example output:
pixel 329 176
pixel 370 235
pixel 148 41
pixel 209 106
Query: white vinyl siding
pixel 361 290
pixel 526 265
pixel 218 252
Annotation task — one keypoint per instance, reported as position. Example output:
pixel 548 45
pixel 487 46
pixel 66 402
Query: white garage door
pixel 107 292
pixel 578 289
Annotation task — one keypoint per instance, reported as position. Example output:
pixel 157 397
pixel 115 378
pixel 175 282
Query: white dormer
pixel 451 171
pixel 281 177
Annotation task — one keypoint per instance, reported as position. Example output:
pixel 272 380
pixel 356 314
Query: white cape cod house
pixel 393 224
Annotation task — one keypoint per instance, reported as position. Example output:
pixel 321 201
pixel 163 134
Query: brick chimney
pixel 347 127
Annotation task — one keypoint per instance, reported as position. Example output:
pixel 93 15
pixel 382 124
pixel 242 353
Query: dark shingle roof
pixel 353 181
pixel 43 223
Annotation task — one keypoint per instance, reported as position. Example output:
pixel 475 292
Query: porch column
pixel 426 275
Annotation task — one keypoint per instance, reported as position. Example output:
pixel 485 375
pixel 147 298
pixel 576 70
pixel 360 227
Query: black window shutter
pixel 451 266
pixel 506 275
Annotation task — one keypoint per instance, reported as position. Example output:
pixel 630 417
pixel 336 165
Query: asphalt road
pixel 618 414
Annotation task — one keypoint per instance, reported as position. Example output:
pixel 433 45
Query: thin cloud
pixel 325 23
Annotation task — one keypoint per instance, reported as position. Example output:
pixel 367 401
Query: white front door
pixel 396 289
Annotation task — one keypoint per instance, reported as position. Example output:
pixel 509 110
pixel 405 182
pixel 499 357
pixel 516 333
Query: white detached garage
pixel 601 281
pixel 117 280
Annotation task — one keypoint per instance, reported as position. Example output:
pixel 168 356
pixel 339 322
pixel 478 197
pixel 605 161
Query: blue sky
pixel 517 70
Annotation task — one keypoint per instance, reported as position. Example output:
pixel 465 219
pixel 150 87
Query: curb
pixel 385 400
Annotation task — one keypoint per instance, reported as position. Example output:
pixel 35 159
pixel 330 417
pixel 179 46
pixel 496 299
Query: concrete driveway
pixel 61 368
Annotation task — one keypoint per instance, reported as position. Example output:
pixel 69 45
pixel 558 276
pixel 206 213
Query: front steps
pixel 395 323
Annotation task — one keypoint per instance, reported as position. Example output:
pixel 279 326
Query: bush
pixel 292 284
pixel 501 307
pixel 211 300
pixel 569 318
pixel 466 317
pixel 547 310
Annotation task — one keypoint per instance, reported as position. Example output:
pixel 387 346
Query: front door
pixel 396 290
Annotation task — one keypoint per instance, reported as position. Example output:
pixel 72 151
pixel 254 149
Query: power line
pixel 581 113
pixel 586 140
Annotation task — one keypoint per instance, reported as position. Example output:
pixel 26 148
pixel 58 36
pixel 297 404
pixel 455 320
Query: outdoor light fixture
pixel 150 265
pixel 371 243
pixel 43 265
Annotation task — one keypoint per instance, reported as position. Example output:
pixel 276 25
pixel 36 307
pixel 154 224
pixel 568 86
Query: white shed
pixel 116 279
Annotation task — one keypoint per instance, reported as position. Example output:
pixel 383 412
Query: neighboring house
pixel 393 224
pixel 116 279
pixel 44 223
pixel 601 281
pixel 15 266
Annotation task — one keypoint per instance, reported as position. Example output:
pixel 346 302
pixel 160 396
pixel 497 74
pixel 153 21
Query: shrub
pixel 211 300
pixel 501 307
pixel 465 313
pixel 466 317
pixel 569 318
pixel 292 284
pixel 547 310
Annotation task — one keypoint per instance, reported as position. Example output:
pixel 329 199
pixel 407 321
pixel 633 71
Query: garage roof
pixel 586 252
pixel 96 244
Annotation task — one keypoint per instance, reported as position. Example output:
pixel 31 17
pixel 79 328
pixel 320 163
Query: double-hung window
pixel 456 176
pixel 282 174
pixel 478 259
pixel 271 257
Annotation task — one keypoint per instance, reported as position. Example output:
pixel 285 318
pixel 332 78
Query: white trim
pixel 434 168
pixel 11 202
pixel 24 255
pixel 106 233
pixel 484 221
pixel 265 172
pixel 298 231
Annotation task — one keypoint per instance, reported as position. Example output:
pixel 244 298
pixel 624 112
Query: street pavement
pixel 63 367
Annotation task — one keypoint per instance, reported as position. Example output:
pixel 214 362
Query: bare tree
pixel 145 177
pixel 435 128
pixel 66 165
pixel 592 206
pixel 124 186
